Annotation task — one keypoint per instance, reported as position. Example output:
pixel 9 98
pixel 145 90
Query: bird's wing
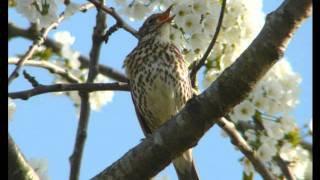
pixel 146 130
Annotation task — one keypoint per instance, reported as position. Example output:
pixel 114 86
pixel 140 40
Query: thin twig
pixel 241 143
pixel 38 42
pixel 85 87
pixel 110 31
pixel 33 48
pixel 198 64
pixel 117 17
pixel 32 80
pixel 243 126
pixel 51 67
pixel 97 39
pixel 284 166
pixel 259 126
pixel 15 31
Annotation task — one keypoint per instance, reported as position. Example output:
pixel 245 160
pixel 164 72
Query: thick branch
pixel 200 63
pixel 231 87
pixel 97 39
pixel 86 87
pixel 15 31
pixel 18 167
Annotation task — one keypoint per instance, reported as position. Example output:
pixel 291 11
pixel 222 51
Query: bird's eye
pixel 150 21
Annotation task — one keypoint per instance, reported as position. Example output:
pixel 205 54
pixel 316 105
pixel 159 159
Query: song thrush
pixel 159 81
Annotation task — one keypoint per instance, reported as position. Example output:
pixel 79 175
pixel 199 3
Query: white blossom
pixel 40 166
pixel 191 23
pixel 199 42
pixel 71 9
pixel 37 11
pixel 260 102
pixel 273 129
pixel 247 166
pixel 266 152
pixel 275 169
pixel 64 37
pixel 244 111
pixel 251 135
pixel 181 11
pixel 137 11
pixel 200 7
pixel 287 152
pixel 100 98
pixel 301 163
pixel 287 123
pixel 11 108
pixel 268 140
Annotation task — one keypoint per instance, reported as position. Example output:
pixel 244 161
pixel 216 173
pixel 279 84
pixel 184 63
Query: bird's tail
pixel 184 165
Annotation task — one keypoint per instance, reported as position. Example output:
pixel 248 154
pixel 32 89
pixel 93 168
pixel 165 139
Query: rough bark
pixel 18 167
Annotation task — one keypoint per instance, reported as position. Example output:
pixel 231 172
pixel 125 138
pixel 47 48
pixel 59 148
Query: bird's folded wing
pixel 146 130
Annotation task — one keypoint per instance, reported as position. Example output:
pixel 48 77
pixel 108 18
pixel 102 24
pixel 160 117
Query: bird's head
pixel 156 24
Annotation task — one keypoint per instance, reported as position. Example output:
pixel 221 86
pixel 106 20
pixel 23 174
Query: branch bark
pixel 245 148
pixel 51 67
pixel 185 129
pixel 97 40
pixel 121 23
pixel 200 63
pixel 15 31
pixel 85 87
pixel 18 167
pixel 39 40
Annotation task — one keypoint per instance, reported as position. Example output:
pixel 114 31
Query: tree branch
pixel 241 143
pixel 18 167
pixel 37 42
pixel 15 31
pixel 243 126
pixel 51 67
pixel 198 64
pixel 33 48
pixel 284 166
pixel 121 23
pixel 97 39
pixel 199 114
pixel 85 87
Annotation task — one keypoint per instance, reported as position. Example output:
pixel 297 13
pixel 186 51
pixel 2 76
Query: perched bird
pixel 159 81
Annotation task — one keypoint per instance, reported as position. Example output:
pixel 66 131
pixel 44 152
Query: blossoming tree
pixel 256 117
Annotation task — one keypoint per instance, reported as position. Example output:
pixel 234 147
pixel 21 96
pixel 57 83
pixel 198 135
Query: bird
pixel 159 81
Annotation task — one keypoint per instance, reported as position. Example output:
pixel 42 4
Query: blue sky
pixel 45 125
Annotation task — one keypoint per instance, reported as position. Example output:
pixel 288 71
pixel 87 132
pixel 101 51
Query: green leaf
pixel 44 55
pixel 246 177
pixel 293 137
pixel 12 3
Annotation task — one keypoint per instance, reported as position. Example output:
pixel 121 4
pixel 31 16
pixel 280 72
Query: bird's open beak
pixel 165 16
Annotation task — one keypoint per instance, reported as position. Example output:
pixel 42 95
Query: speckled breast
pixel 159 82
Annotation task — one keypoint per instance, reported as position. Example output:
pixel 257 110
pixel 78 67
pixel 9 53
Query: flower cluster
pixel 43 12
pixel 72 64
pixel 38 11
